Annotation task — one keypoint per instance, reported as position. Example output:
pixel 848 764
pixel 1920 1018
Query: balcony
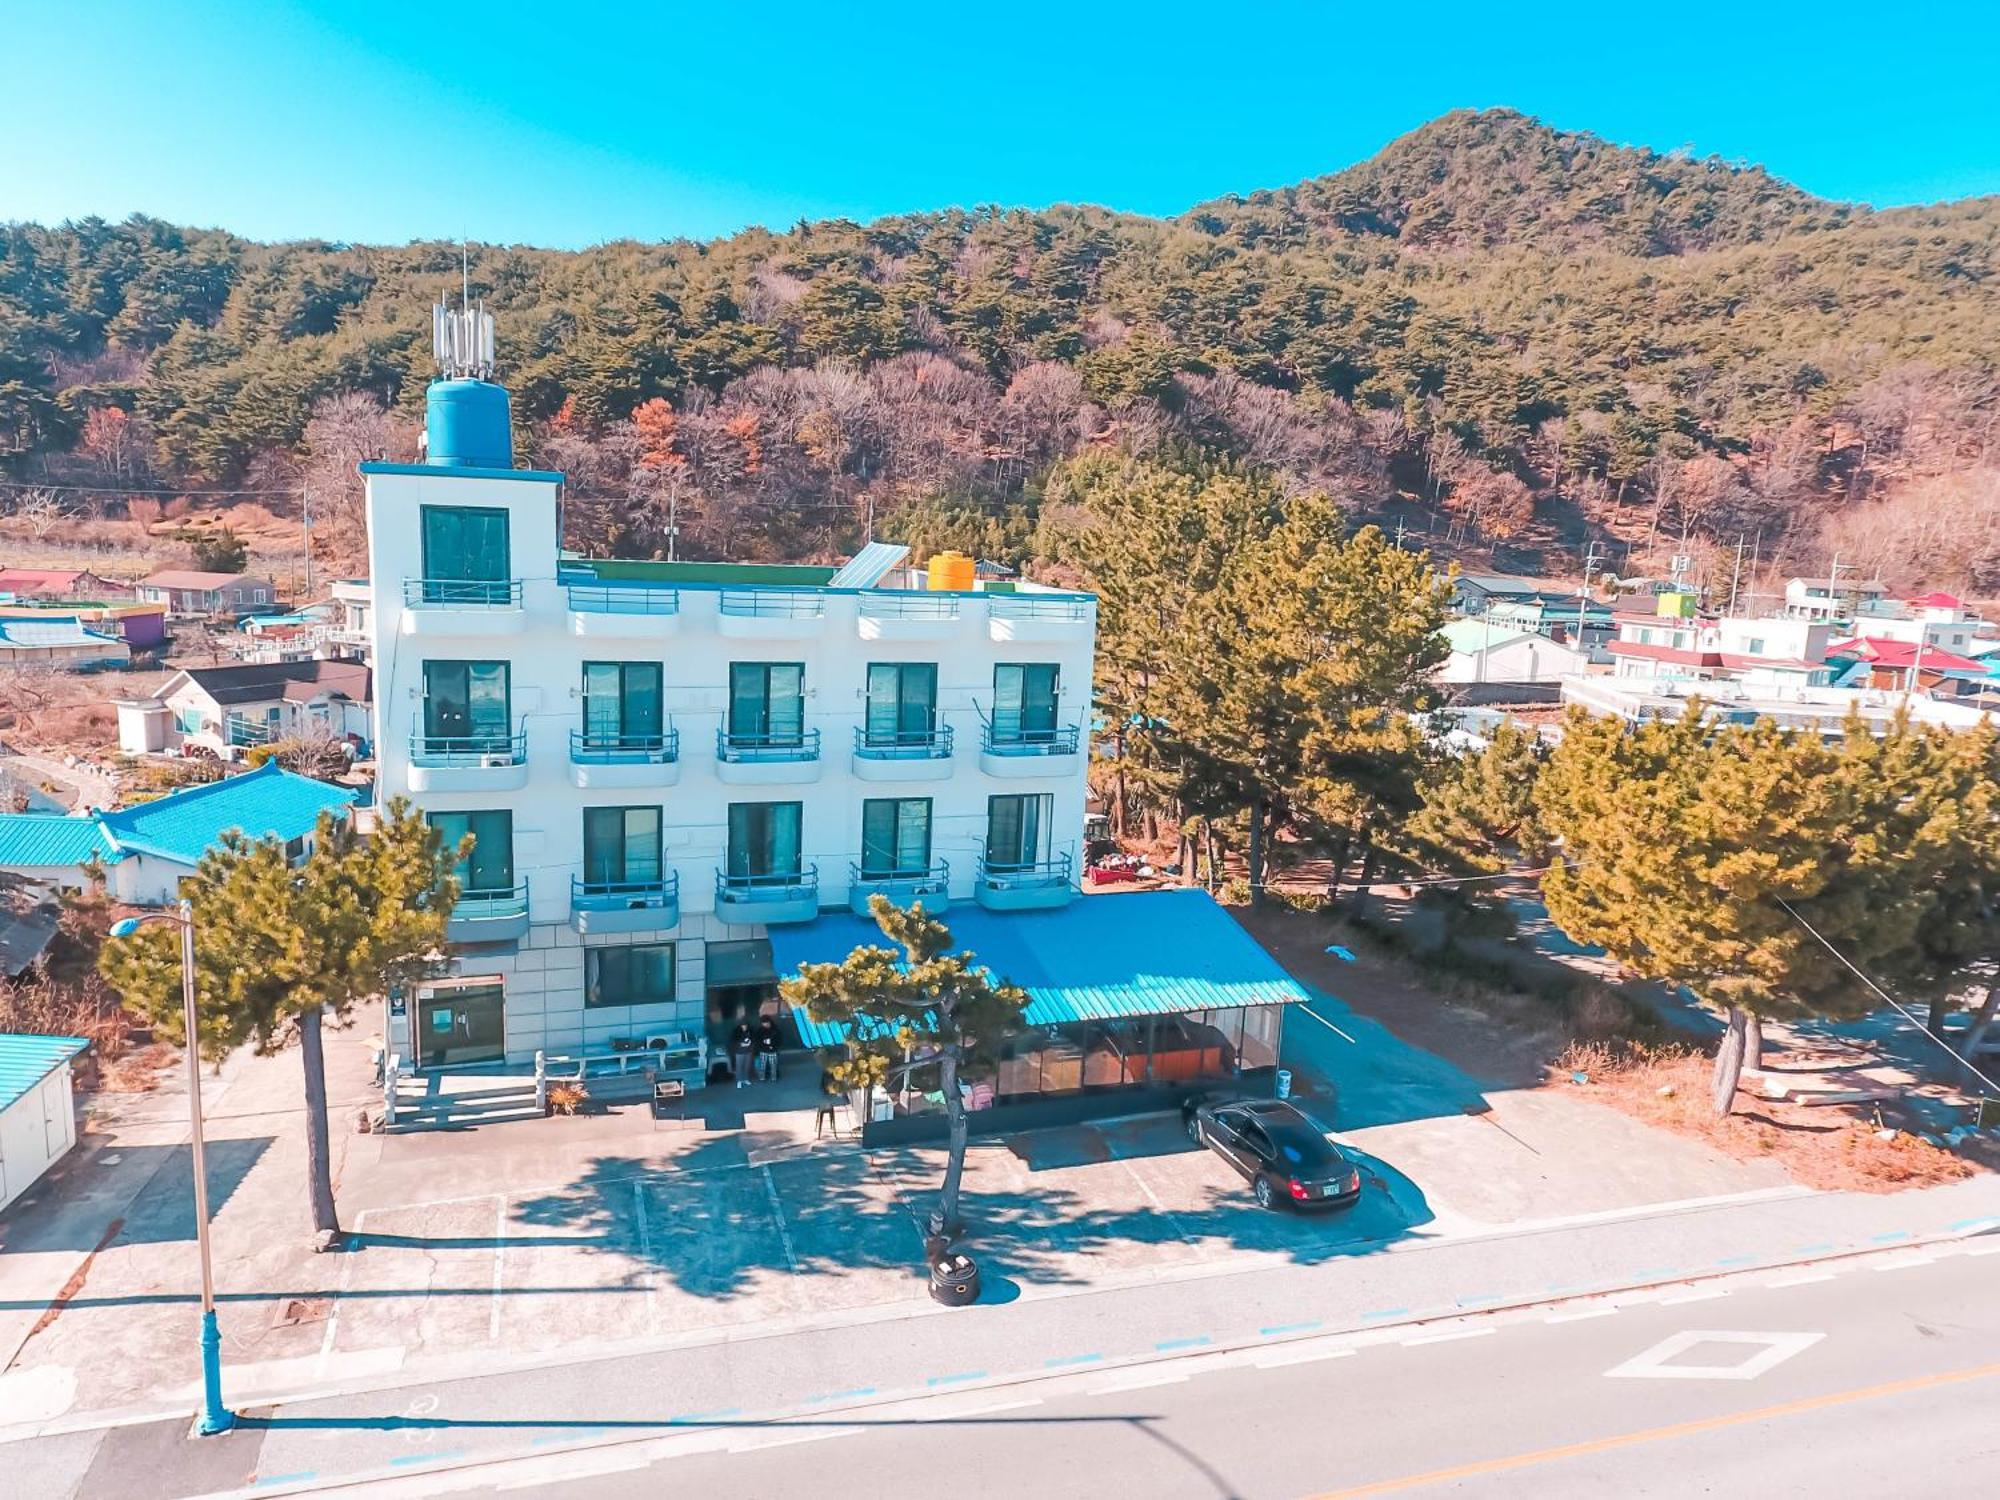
pixel 611 613
pixel 243 733
pixel 460 607
pixel 921 755
pixel 468 763
pixel 1021 753
pixel 1039 617
pixel 613 760
pixel 902 615
pixel 1026 887
pixel 769 899
pixel 489 916
pixel 624 905
pixel 931 886
pixel 767 759
pixel 771 614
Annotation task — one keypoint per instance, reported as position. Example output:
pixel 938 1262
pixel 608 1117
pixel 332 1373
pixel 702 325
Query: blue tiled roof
pixel 1146 953
pixel 269 802
pixel 26 1060
pixel 50 839
pixel 56 630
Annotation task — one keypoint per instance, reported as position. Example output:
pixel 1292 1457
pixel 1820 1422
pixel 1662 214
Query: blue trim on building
pixel 25 1060
pixel 453 471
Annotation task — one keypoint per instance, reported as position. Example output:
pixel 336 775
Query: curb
pixel 823 1410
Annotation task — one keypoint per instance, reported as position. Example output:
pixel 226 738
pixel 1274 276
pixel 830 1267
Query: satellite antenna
pixel 462 336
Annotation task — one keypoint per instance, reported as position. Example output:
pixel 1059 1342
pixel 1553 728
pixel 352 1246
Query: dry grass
pixel 138 1071
pixel 1826 1146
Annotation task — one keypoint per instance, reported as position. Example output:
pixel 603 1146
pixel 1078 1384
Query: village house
pixel 61 642
pixel 189 594
pixel 143 627
pixel 61 584
pixel 1496 656
pixel 226 710
pixel 1677 642
pixel 145 851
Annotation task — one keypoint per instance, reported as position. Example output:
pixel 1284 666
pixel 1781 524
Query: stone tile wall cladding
pixel 544 982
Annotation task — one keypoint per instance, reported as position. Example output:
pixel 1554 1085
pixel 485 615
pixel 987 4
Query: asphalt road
pixel 1880 1379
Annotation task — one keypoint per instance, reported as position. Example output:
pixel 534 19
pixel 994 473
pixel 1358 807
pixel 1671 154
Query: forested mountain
pixel 1532 335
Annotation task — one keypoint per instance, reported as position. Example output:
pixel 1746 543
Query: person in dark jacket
pixel 741 1045
pixel 767 1048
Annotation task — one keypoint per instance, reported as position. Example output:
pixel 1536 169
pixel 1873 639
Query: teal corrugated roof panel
pixel 265 803
pixel 1145 953
pixel 25 1060
pixel 50 839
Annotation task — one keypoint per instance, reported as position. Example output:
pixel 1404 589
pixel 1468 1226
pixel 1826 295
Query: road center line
pixel 1663 1434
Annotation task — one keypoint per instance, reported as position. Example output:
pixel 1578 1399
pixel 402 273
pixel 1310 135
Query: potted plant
pixel 567 1098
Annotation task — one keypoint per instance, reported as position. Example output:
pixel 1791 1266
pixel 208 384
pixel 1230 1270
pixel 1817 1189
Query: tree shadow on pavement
pixel 162 1212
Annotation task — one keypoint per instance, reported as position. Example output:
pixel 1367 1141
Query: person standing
pixel 741 1045
pixel 767 1048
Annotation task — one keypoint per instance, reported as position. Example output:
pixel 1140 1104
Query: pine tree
pixel 278 948
pixel 914 1006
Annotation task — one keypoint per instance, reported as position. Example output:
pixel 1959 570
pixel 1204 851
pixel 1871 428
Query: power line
pixel 1901 1010
pixel 189 494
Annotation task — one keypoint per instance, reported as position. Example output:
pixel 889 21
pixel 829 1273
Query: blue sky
pixel 566 124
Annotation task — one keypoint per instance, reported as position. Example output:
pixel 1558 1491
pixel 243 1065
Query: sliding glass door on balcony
pixel 763 841
pixel 621 847
pixel 895 837
pixel 902 704
pixel 467 706
pixel 489 869
pixel 622 705
pixel 1025 697
pixel 1017 830
pixel 767 704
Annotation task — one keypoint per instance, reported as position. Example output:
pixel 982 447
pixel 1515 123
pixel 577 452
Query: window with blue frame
pixel 1017 829
pixel 902 703
pixel 895 836
pixel 489 868
pixel 1025 698
pixel 767 703
pixel 465 547
pixel 469 704
pixel 621 845
pixel 622 705
pixel 764 840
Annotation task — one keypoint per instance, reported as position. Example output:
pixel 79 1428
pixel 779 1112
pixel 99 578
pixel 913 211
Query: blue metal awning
pixel 1145 953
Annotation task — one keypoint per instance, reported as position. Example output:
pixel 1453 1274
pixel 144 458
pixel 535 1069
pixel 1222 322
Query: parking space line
pixel 1804 1278
pixel 499 1266
pixel 1703 1294
pixel 1279 1358
pixel 778 1218
pixel 645 1227
pixel 333 1315
pixel 1580 1314
pixel 1153 1198
pixel 1450 1337
pixel 1139 1381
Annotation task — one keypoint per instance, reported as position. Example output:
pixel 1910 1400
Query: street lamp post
pixel 214 1417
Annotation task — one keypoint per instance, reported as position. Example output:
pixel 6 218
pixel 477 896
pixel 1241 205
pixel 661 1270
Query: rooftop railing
pixel 1038 606
pixel 782 604
pixel 462 593
pixel 600 599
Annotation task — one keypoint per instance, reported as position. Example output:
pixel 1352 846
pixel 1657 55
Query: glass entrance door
pixel 460 1026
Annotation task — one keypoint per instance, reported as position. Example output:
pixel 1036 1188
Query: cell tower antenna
pixel 462 337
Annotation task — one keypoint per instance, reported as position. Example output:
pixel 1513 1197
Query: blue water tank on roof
pixel 467 425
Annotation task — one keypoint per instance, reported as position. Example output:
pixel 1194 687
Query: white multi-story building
pixel 658 762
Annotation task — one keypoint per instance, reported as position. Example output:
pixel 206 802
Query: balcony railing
pixel 783 886
pixel 624 749
pixel 998 739
pixel 908 744
pixel 1030 875
pixel 908 604
pixel 597 599
pixel 1038 606
pixel 929 884
pixel 509 903
pixel 624 895
pixel 781 604
pixel 462 593
pixel 739 748
pixel 457 751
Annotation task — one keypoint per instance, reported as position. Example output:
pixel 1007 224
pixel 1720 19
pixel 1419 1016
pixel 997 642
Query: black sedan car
pixel 1282 1150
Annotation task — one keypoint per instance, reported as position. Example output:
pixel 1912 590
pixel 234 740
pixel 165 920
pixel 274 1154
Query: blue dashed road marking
pixel 299 1478
pixel 956 1379
pixel 1194 1343
pixel 1282 1328
pixel 441 1456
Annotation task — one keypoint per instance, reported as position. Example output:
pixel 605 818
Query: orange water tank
pixel 951 570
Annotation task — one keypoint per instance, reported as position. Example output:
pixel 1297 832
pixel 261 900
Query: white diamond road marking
pixel 1772 1350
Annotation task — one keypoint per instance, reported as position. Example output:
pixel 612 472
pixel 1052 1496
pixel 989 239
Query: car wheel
pixel 1265 1197
pixel 1194 1129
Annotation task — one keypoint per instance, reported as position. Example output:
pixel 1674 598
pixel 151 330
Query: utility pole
pixel 868 523
pixel 306 532
pixel 1583 594
pixel 673 523
pixel 1736 574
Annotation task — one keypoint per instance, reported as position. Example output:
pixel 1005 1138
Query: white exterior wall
pixel 545 972
pixel 1529 658
pixel 1938 629
pixel 35 1130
